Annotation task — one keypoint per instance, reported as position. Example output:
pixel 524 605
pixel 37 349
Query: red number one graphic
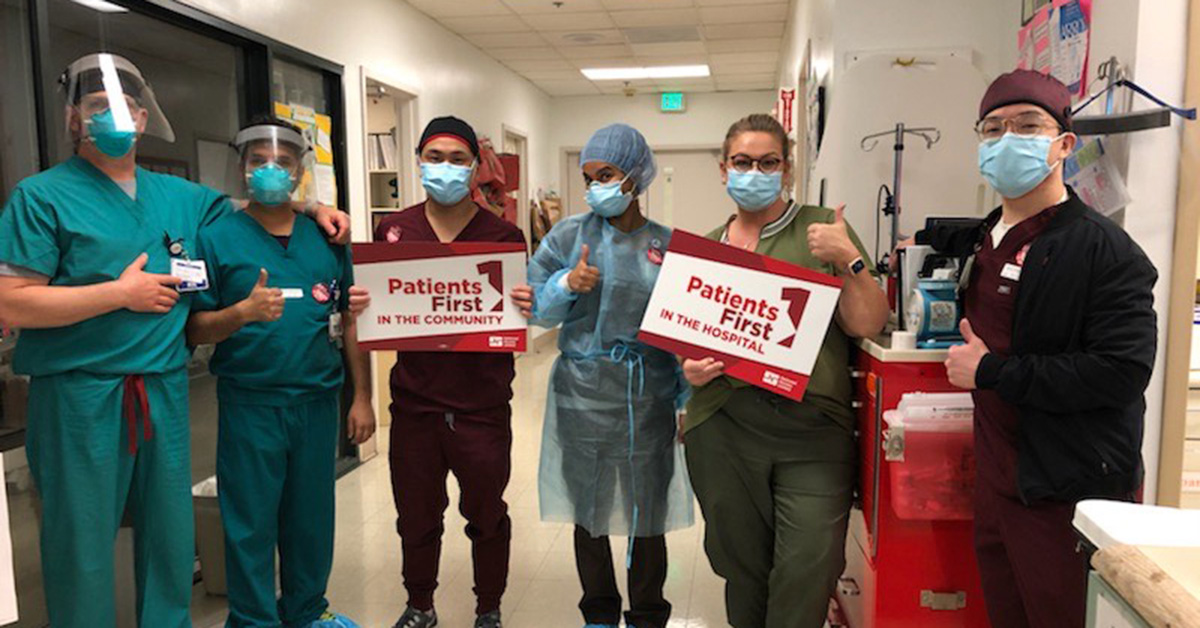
pixel 495 275
pixel 798 299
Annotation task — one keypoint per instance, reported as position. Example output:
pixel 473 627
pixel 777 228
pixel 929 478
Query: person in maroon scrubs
pixel 1060 334
pixel 450 411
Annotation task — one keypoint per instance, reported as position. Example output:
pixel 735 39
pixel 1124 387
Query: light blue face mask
pixel 104 134
pixel 754 191
pixel 1014 165
pixel 270 184
pixel 446 183
pixel 607 199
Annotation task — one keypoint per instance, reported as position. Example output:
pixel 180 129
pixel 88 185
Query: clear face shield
pixel 110 104
pixel 272 160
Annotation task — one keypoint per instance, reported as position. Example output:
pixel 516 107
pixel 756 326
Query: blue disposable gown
pixel 611 460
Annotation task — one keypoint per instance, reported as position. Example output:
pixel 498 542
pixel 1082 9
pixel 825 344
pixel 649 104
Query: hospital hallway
pixel 543 588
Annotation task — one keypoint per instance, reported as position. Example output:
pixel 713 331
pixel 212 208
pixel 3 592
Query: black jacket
pixel 1083 345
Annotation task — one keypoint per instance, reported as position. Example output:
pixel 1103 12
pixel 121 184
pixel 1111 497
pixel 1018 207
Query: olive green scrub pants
pixel 775 482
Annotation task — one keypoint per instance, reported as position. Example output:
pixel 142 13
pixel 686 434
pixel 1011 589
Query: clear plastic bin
pixel 929 444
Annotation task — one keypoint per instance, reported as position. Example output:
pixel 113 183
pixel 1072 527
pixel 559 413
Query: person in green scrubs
pixel 775 477
pixel 277 309
pixel 87 254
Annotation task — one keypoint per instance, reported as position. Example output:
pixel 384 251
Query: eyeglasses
pixel 769 164
pixel 1026 124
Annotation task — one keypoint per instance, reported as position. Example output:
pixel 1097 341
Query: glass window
pixel 194 77
pixel 18 129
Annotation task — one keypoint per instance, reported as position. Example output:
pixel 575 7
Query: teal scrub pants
pixel 275 477
pixel 78 444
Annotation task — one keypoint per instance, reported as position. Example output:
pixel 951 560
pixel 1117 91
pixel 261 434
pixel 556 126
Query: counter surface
pixel 880 348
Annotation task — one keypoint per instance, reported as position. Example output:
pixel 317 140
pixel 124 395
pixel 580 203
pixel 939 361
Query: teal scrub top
pixel 292 360
pixel 72 223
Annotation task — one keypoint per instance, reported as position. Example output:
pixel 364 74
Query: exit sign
pixel 672 102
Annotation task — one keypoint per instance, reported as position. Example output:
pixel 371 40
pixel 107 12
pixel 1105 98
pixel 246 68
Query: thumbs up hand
pixel 264 304
pixel 831 242
pixel 964 359
pixel 583 278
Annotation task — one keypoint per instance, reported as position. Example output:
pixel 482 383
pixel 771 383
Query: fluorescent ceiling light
pixel 101 5
pixel 654 72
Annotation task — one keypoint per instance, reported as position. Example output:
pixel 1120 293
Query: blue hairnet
pixel 624 147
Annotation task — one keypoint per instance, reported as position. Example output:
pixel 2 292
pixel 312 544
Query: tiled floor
pixel 543 588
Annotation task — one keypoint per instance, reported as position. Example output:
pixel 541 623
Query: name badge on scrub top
pixel 293 293
pixel 194 274
pixel 1012 272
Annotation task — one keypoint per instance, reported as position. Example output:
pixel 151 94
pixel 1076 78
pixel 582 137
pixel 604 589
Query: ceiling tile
pixel 661 17
pixel 493 24
pixel 744 31
pixel 744 15
pixel 547 6
pixel 551 75
pixel 744 45
pixel 523 65
pixel 736 3
pixel 681 48
pixel 615 51
pixel 654 60
pixel 532 52
pixel 584 21
pixel 584 37
pixel 505 40
pixel 460 8
pixel 589 62
pixel 568 88
pixel 726 58
pixel 623 5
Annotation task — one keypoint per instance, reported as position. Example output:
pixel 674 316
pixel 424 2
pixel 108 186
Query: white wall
pixel 708 116
pixel 1150 37
pixel 402 47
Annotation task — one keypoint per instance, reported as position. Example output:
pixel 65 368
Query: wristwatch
pixel 857 266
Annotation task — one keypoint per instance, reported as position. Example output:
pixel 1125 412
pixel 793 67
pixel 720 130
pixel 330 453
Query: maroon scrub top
pixel 444 381
pixel 990 304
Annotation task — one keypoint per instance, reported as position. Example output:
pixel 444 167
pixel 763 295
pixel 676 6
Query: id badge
pixel 194 274
pixel 335 328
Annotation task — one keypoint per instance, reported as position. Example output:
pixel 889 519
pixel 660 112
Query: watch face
pixel 857 266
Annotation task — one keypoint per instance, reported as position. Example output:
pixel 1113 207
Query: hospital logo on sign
pixel 502 342
pixel 770 378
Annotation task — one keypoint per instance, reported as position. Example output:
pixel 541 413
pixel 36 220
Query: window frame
pixel 254 72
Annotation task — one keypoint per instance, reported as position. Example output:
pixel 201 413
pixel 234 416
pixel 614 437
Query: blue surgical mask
pixel 754 191
pixel 446 183
pixel 607 199
pixel 1015 164
pixel 270 184
pixel 104 134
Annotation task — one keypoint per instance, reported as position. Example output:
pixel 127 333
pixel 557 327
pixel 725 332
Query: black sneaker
pixel 413 618
pixel 488 620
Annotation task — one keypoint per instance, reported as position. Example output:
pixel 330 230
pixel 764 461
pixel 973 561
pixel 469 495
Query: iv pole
pixel 931 136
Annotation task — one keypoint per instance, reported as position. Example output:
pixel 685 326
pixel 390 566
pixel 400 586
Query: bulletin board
pixel 320 180
pixel 1055 39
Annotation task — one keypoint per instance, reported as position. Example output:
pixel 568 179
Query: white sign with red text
pixel 764 318
pixel 427 296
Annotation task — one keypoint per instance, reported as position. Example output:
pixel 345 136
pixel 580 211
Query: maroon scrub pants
pixel 476 447
pixel 1033 577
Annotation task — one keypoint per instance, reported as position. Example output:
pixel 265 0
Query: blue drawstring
pixel 633 360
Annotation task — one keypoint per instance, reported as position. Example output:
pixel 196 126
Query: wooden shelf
pixel 391 172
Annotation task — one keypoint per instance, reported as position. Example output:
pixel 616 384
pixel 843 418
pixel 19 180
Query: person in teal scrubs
pixel 277 309
pixel 87 251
